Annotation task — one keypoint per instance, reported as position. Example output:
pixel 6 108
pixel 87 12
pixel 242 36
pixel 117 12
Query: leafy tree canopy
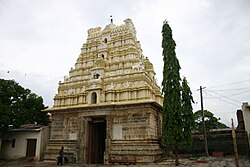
pixel 19 106
pixel 211 121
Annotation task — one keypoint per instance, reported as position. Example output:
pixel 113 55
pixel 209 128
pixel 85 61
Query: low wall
pixel 218 141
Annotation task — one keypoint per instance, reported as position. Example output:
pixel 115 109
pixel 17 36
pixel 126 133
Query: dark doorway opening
pixel 31 148
pixel 96 141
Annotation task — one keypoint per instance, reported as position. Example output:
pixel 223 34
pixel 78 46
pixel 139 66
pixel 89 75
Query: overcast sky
pixel 40 41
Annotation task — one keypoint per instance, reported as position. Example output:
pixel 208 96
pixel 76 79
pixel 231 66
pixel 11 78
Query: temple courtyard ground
pixel 201 162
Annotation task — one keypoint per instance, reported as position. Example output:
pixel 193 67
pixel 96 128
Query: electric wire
pixel 232 83
pixel 241 92
pixel 234 104
pixel 211 91
pixel 231 89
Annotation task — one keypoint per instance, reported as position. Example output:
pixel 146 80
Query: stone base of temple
pixel 131 152
pixel 101 132
pixel 70 150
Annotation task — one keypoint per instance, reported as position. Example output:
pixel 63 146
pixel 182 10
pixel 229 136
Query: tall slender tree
pixel 177 105
pixel 171 89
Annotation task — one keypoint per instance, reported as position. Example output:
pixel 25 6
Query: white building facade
pixel 24 142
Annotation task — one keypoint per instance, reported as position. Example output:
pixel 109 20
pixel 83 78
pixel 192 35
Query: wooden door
pixel 96 141
pixel 31 148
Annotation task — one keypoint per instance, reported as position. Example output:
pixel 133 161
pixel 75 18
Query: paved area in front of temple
pixel 201 162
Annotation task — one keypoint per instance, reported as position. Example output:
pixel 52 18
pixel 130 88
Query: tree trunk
pixel 176 156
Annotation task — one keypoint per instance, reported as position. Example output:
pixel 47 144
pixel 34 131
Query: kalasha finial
pixel 165 21
pixel 111 19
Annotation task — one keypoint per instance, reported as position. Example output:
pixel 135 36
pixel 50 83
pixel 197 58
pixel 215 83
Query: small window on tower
pixel 105 40
pixel 102 56
pixel 93 98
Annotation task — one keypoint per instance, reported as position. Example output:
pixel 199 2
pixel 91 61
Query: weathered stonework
pixel 110 104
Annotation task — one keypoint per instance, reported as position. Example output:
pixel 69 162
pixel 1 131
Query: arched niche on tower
pixel 93 98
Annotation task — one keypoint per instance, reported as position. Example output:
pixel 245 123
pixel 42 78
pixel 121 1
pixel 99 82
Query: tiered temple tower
pixel 110 104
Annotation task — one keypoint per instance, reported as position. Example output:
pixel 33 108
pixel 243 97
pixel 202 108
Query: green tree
pixel 19 106
pixel 211 121
pixel 187 112
pixel 177 105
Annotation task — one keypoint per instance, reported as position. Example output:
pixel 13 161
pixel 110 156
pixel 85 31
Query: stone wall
pixel 218 141
pixel 136 133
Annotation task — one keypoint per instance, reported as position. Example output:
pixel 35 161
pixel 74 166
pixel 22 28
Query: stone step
pixel 53 155
pixel 132 149
pixel 143 144
pixel 55 151
pixel 66 150
pixel 52 151
pixel 50 157
pixel 137 144
pixel 58 142
pixel 136 147
pixel 58 147
pixel 49 161
pixel 135 152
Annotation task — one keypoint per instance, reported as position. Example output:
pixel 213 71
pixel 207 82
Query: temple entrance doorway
pixel 96 141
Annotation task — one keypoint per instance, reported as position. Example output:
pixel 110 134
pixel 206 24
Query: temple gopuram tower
pixel 109 107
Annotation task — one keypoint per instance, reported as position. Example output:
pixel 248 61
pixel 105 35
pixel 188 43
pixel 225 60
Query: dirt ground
pixel 201 162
